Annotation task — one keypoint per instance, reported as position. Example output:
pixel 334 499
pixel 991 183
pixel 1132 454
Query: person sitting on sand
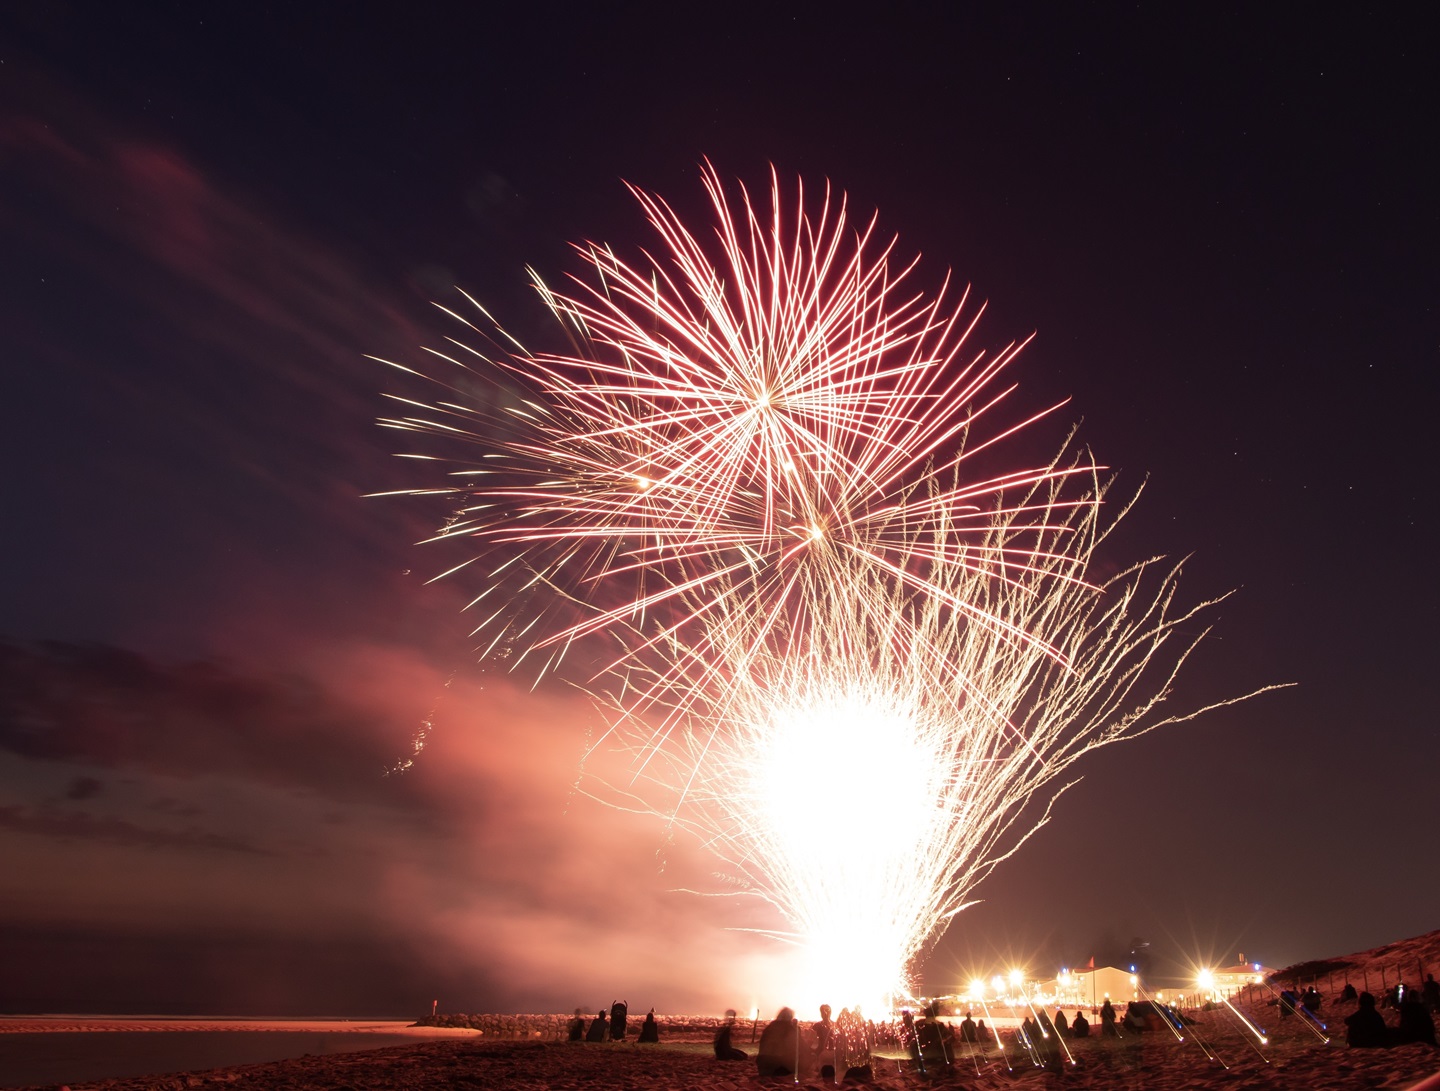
pixel 779 1053
pixel 935 1039
pixel 1366 1028
pixel 982 1033
pixel 599 1028
pixel 967 1029
pixel 1415 1022
pixel 1348 992
pixel 1310 1000
pixel 852 1048
pixel 1431 992
pixel 824 1033
pixel 1061 1026
pixel 908 1039
pixel 577 1027
pixel 724 1051
pixel 1107 1021
pixel 1080 1026
pixel 649 1031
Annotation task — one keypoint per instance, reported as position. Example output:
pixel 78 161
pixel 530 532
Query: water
pixel 56 1057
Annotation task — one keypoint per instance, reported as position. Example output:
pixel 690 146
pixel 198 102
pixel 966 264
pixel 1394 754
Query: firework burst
pixel 753 474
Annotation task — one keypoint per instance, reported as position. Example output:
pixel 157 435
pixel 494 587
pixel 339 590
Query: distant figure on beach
pixel 967 1029
pixel 617 1020
pixel 1310 1000
pixel 1134 1017
pixel 577 1026
pixel 1348 992
pixel 1431 992
pixel 1366 1028
pixel 599 1028
pixel 1061 1026
pixel 1288 1002
pixel 649 1031
pixel 779 1053
pixel 1080 1026
pixel 1415 1022
pixel 724 1051
pixel 908 1039
pixel 1107 1021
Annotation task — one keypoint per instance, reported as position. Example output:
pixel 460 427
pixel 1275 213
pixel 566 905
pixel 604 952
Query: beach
pixel 1294 1056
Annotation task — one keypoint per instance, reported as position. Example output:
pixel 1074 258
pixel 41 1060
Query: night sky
pixel 1222 224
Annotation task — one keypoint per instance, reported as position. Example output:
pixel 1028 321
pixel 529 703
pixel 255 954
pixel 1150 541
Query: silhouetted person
pixel 598 1028
pixel 1366 1028
pixel 934 1039
pixel 1061 1025
pixel 1107 1021
pixel 1134 1017
pixel 1288 1000
pixel 1311 999
pixel 824 1032
pixel 577 1027
pixel 852 1048
pixel 779 1053
pixel 1415 1022
pixel 1431 992
pixel 907 1037
pixel 617 1020
pixel 967 1029
pixel 1080 1027
pixel 649 1031
pixel 982 1032
pixel 1348 992
pixel 724 1051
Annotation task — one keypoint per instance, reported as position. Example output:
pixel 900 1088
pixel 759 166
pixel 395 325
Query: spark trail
pixel 754 480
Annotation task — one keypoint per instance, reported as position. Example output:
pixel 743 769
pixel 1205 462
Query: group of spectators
pixel 612 1027
pixel 1366 1028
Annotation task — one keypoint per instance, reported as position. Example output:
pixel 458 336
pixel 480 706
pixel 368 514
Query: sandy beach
pixel 1125 1064
pixel 1216 1053
pixel 1244 1044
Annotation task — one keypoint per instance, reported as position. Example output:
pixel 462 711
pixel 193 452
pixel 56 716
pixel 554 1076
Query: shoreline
pixel 159 1024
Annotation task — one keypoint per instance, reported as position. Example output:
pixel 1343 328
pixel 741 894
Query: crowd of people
pixel 841 1048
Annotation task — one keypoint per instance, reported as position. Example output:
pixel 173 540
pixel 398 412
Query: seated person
pixel 724 1051
pixel 779 1053
pixel 599 1028
pixel 649 1030
pixel 967 1029
pixel 1080 1026
pixel 1415 1022
pixel 1366 1028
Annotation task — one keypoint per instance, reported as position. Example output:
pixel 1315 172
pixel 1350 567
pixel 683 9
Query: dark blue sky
pixel 1222 225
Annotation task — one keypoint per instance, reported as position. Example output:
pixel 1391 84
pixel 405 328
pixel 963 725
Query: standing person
pixel 1107 1021
pixel 724 1051
pixel 617 1020
pixel 577 1027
